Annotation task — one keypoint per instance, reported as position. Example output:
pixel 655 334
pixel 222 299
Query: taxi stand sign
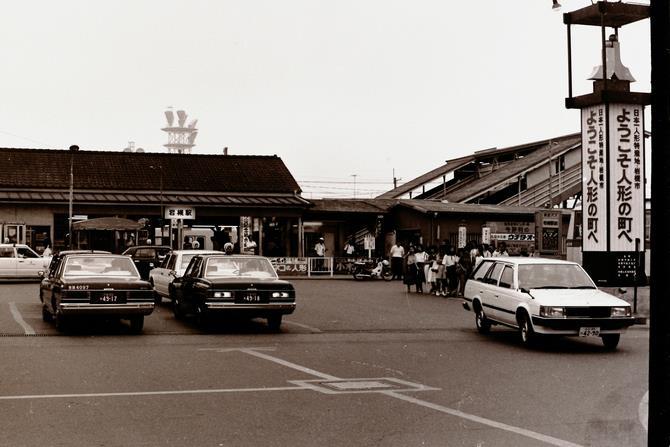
pixel 180 212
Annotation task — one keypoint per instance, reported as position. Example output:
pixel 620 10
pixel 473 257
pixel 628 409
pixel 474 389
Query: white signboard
pixel 246 246
pixel 462 235
pixel 180 212
pixel 369 241
pixel 626 187
pixel 486 235
pixel 594 179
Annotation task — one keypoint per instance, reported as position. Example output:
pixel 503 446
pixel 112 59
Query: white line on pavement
pixel 19 319
pixel 480 420
pixel 451 411
pixel 643 411
pixel 304 326
pixel 150 393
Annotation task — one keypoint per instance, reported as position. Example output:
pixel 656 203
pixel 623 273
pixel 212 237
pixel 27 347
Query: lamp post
pixel 74 148
pixel 160 173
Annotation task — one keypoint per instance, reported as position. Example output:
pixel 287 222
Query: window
pixel 25 252
pixel 507 277
pixel 494 273
pixel 6 252
pixel 481 270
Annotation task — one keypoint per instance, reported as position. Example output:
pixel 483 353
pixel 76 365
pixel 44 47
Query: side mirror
pixel 524 290
pixel 172 273
pixel 40 274
pixel 622 290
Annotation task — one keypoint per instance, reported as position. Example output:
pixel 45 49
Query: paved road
pixel 359 363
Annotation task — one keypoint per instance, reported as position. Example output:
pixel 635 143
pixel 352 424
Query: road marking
pixel 484 421
pixel 304 326
pixel 643 411
pixel 19 319
pixel 150 393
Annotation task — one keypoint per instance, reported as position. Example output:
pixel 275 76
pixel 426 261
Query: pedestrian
pixel 432 276
pixel 486 250
pixel 421 258
pixel 47 246
pixel 397 254
pixel 501 250
pixel 350 248
pixel 410 272
pixel 463 269
pixel 228 248
pixel 196 245
pixel 450 260
pixel 320 250
pixel 130 242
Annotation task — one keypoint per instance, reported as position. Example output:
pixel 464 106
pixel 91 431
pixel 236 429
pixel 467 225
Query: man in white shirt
pixel 320 249
pixel 397 254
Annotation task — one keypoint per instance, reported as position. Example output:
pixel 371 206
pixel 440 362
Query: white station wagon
pixel 173 266
pixel 544 296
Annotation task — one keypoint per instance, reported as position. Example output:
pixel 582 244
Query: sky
pixel 349 93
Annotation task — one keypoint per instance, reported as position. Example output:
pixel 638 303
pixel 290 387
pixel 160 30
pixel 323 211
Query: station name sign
pixel 180 212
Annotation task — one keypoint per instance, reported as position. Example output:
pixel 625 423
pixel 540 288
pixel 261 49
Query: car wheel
pixel 526 331
pixel 46 315
pixel 177 308
pixel 137 324
pixel 387 275
pixel 611 341
pixel 61 321
pixel 483 324
pixel 157 298
pixel 274 322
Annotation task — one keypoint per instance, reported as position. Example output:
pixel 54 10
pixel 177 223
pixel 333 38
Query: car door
pixel 162 275
pixel 28 263
pixel 507 295
pixel 189 280
pixel 7 262
pixel 490 293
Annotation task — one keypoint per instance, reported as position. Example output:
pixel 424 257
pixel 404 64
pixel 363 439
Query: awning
pixel 107 223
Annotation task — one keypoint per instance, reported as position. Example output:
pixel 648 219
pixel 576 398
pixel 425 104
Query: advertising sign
pixel 626 187
pixel 594 178
pixel 246 246
pixel 180 212
pixel 290 266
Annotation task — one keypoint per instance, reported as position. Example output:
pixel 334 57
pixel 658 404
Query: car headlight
pixel 223 294
pixel 280 294
pixel 552 311
pixel 620 311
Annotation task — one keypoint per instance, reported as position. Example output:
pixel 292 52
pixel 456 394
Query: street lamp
pixel 74 148
pixel 160 172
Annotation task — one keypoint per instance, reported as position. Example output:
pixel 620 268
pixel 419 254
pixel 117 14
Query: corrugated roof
pixel 430 206
pixel 100 170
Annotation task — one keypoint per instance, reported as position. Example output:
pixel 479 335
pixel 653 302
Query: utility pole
pixel 74 148
pixel 659 332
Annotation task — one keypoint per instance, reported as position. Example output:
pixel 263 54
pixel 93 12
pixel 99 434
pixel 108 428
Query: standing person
pixel 320 250
pixel 350 248
pixel 47 245
pixel 410 273
pixel 501 250
pixel 421 258
pixel 463 268
pixel 441 275
pixel 450 260
pixel 397 254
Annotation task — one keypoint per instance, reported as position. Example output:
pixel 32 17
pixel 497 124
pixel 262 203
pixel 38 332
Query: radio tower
pixel 180 138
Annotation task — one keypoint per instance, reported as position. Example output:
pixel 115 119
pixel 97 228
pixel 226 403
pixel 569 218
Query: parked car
pixel 243 285
pixel 18 261
pixel 173 266
pixel 544 297
pixel 147 257
pixel 84 284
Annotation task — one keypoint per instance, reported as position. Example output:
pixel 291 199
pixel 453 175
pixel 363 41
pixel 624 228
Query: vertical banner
pixel 462 235
pixel 627 180
pixel 594 179
pixel 486 235
pixel 245 234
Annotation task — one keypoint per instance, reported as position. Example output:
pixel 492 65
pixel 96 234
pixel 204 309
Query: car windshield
pixel 99 266
pixel 231 266
pixel 553 276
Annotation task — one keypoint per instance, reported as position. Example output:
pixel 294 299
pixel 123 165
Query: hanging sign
pixel 462 235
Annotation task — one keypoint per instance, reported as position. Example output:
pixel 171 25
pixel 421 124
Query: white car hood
pixel 575 297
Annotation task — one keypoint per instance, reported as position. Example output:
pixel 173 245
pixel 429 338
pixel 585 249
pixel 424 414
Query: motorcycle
pixel 380 268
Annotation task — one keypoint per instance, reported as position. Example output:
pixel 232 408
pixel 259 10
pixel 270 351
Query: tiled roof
pixel 131 171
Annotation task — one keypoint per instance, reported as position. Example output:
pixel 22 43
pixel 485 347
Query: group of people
pixel 445 269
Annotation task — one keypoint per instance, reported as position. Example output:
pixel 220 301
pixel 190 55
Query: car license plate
pixel 251 298
pixel 108 298
pixel 589 331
